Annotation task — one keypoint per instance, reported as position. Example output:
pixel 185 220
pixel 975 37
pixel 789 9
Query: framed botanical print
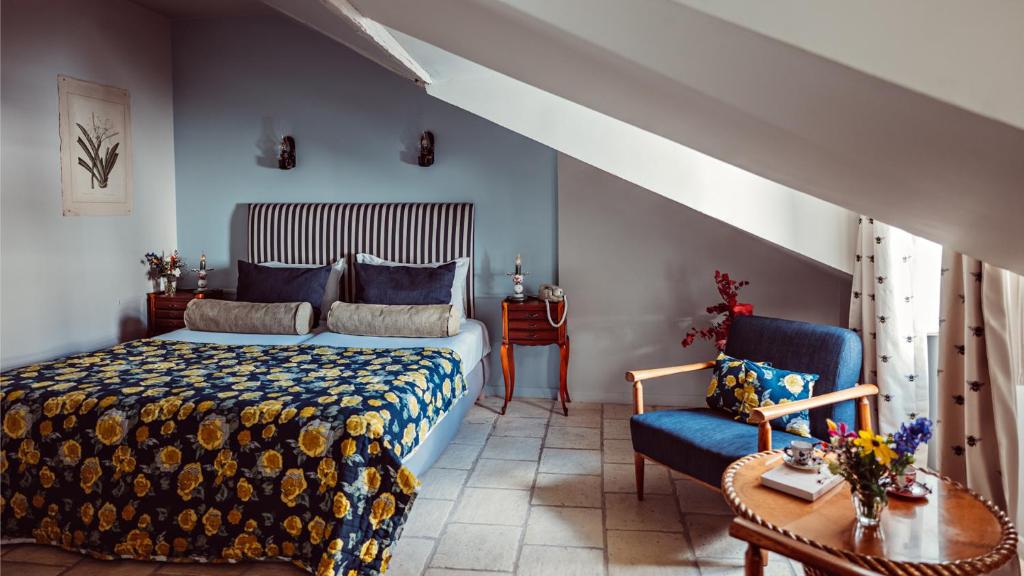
pixel 95 148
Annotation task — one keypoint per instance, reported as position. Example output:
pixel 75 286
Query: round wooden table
pixel 953 531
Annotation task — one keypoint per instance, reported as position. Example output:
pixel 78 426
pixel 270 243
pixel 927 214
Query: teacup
pixel 800 453
pixel 903 482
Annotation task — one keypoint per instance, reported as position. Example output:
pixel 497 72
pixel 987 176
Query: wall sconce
pixel 426 149
pixel 286 159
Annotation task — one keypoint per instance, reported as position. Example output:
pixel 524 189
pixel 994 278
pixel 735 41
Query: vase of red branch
pixel 724 312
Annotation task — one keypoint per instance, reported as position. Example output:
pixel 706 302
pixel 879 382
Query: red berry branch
pixel 725 311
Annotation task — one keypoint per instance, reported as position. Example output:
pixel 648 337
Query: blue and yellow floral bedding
pixel 207 452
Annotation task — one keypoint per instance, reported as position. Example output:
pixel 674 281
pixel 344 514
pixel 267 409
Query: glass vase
pixel 869 506
pixel 170 285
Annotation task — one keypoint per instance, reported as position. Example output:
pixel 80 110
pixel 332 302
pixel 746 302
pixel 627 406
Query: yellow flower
pixel 128 512
pixel 244 490
pixel 52 406
pixel 212 432
pixel 293 525
pixel 89 474
pixel 268 431
pixel 211 521
pixel 270 463
pixel 712 387
pixel 874 444
pixel 167 428
pixel 409 435
pixel 16 421
pixel 326 565
pixel 107 516
pixel 356 425
pixel 149 413
pixel 190 477
pixel 293 484
pixel 235 516
pixel 371 477
pixel 250 415
pixel 19 503
pixel 313 438
pixel 287 414
pixel 169 458
pixel 180 544
pixel 141 485
pixel 730 381
pixel 205 406
pixel 327 472
pixel 244 437
pixel 187 519
pixel 316 530
pixel 382 509
pixel 348 447
pixel 46 477
pixel 407 480
pixel 340 505
pixel 747 397
pixel 86 512
pixel 794 383
pixel 307 412
pixel 368 551
pixel 123 461
pixel 141 434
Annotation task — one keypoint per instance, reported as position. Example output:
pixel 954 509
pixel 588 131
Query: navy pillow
pixel 270 284
pixel 404 284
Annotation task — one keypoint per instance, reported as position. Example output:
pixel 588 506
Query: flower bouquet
pixel 167 268
pixel 870 462
pixel 729 308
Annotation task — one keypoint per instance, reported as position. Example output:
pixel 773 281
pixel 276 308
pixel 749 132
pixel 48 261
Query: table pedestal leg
pixel 508 368
pixel 563 376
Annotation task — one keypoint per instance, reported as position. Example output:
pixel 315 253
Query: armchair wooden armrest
pixel 764 415
pixel 637 377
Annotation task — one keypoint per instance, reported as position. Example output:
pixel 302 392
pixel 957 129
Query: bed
pixel 219 448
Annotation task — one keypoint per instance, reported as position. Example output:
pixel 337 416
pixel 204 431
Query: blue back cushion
pixel 271 284
pixel 377 284
pixel 831 352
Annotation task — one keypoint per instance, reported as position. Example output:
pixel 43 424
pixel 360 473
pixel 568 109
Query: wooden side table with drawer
pixel 525 322
pixel 167 313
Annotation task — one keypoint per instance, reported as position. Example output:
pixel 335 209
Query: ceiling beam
pixel 340 20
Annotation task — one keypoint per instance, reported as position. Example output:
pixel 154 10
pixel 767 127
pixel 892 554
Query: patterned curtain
pixel 981 347
pixel 882 311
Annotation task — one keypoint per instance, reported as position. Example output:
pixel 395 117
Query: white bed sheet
pixel 186 335
pixel 472 342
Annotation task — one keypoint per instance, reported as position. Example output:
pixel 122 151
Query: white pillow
pixel 332 292
pixel 458 301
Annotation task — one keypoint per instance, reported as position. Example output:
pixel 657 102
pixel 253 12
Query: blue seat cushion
pixel 698 442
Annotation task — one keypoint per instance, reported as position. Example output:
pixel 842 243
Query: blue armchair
pixel 701 442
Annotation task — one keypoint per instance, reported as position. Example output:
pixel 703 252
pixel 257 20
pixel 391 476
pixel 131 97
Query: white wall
pixel 639 268
pixel 817 229
pixel 965 53
pixel 76 284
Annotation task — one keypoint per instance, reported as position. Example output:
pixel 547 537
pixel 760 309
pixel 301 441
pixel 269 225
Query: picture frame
pixel 95 148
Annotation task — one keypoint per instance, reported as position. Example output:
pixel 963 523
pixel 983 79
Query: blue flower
pixel 911 435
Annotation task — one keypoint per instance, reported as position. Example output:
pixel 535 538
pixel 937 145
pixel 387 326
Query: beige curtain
pixel 884 311
pixel 981 379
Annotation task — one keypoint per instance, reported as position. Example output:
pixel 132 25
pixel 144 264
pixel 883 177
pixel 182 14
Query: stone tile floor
pixel 530 493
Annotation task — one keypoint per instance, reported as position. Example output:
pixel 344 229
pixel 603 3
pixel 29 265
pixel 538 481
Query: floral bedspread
pixel 204 452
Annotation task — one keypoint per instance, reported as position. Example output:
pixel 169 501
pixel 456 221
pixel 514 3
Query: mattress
pixel 471 343
pixel 186 335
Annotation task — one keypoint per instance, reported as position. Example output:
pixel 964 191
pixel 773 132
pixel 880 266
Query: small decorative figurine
pixel 201 283
pixel 286 160
pixel 426 149
pixel 518 293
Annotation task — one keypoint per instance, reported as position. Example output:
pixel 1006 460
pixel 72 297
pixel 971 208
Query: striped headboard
pixel 323 233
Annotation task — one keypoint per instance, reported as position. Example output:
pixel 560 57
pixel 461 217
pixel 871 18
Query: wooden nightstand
pixel 167 313
pixel 526 323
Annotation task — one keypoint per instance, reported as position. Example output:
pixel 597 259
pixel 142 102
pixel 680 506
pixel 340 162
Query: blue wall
pixel 240 83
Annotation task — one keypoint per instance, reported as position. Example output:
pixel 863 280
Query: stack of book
pixel 807 485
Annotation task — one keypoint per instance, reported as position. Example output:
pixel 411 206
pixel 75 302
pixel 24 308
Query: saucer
pixel 813 466
pixel 916 491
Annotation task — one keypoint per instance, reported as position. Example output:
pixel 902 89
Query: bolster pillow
pixel 417 321
pixel 210 315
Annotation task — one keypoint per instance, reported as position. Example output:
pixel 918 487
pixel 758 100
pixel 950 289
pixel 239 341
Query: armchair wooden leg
pixel 753 561
pixel 638 462
pixel 864 413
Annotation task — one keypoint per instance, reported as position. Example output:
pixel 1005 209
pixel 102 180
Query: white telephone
pixel 551 293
